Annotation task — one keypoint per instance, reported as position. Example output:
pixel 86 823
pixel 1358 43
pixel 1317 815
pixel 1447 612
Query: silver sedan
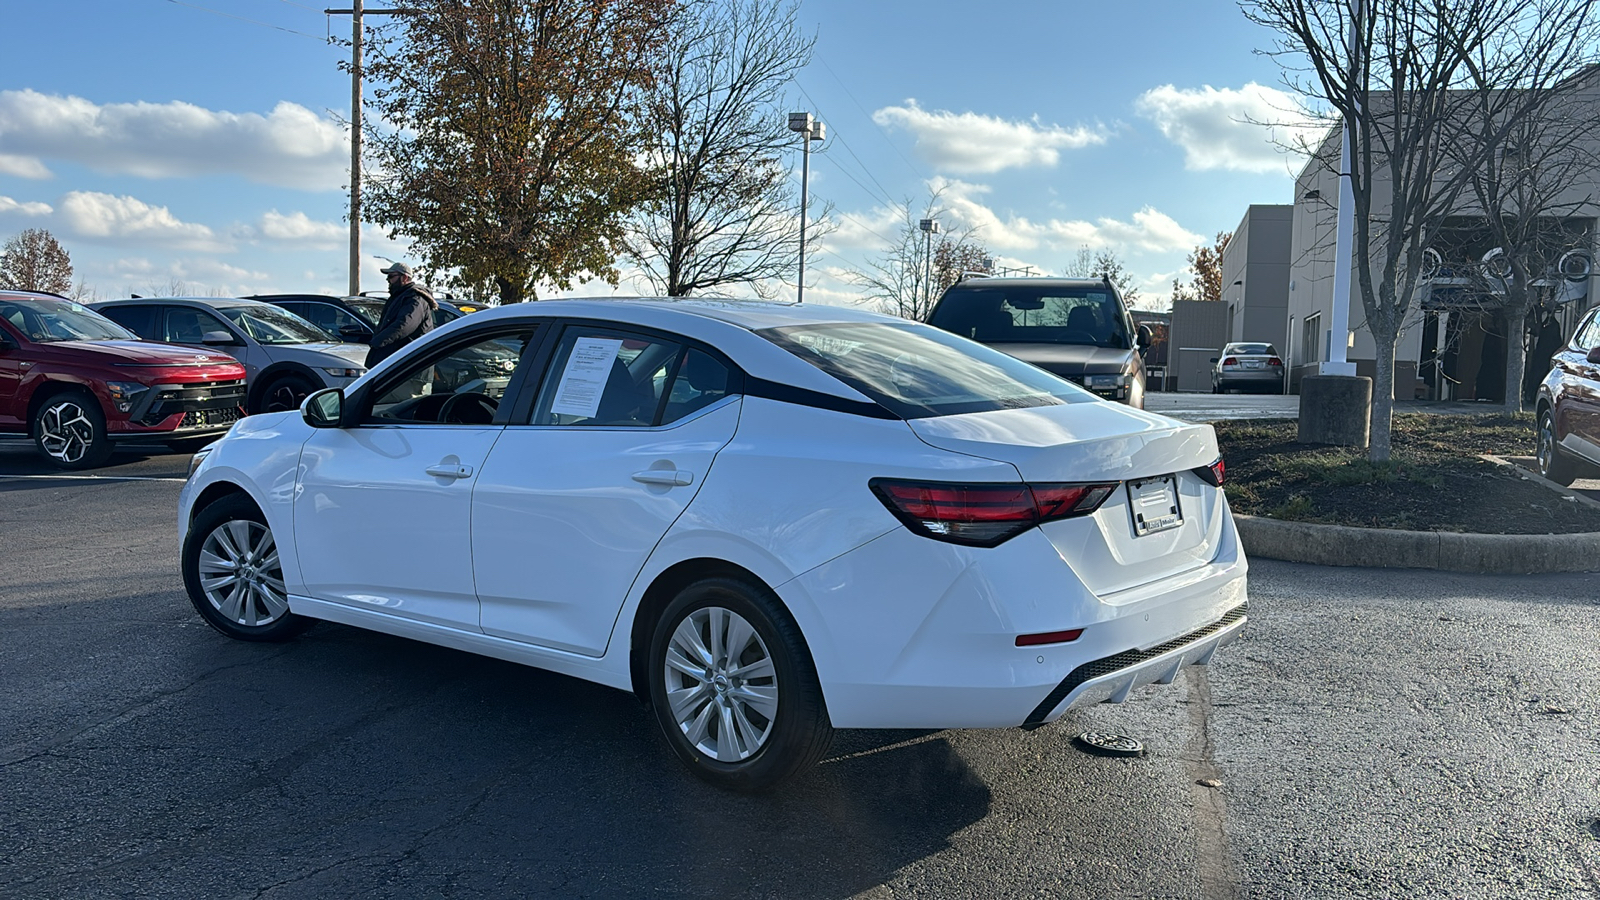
pixel 1247 366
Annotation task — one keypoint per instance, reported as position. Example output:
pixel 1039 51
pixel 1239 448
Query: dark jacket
pixel 407 316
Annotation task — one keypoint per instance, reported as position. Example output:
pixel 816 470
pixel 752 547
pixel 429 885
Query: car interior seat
pixel 624 401
pixel 706 380
pixel 1082 319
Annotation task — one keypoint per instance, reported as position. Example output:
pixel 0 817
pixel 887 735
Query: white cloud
pixel 1148 230
pixel 1244 130
pixel 23 167
pixel 296 230
pixel 973 143
pixel 9 206
pixel 290 146
pixel 129 220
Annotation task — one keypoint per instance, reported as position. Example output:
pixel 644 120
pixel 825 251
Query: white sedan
pixel 768 520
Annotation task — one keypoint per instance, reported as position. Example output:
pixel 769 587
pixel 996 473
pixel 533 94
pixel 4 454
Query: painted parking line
pixel 99 477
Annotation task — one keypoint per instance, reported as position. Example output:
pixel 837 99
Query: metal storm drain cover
pixel 1103 743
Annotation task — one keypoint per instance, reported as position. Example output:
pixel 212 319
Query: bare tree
pixel 34 261
pixel 725 210
pixel 1531 195
pixel 1205 271
pixel 509 138
pixel 1104 264
pixel 1396 73
pixel 902 280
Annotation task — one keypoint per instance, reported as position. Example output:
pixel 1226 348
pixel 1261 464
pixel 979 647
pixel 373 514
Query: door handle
pixel 444 470
pixel 668 477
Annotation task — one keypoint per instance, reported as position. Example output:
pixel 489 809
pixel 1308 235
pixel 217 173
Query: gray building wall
pixel 1199 329
pixel 1255 275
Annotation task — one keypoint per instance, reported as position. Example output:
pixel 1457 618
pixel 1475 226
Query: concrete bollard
pixel 1336 409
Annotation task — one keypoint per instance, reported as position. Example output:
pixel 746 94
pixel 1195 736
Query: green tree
pixel 1205 272
pixel 509 137
pixel 724 209
pixel 35 261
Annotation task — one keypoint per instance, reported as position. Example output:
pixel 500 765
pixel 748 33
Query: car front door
pixel 11 370
pixel 573 499
pixel 382 518
pixel 189 325
pixel 1581 406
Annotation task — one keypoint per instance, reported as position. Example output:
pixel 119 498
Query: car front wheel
pixel 285 393
pixel 70 430
pixel 1552 464
pixel 234 576
pixel 734 688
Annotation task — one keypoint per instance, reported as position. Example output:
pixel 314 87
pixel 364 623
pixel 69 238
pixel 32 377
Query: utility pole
pixel 809 129
pixel 930 227
pixel 355 13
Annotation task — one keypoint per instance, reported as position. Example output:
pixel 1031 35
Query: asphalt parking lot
pixel 1375 734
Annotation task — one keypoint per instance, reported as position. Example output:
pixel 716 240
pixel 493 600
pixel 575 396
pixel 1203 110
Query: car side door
pixel 12 367
pixel 1579 409
pixel 581 488
pixel 382 515
pixel 188 325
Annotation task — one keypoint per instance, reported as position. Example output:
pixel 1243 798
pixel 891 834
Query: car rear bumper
pixel 937 646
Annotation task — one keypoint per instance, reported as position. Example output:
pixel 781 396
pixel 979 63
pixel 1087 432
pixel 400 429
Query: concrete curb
pixel 1339 545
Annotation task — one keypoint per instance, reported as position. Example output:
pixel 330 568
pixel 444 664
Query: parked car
pixel 77 382
pixel 768 520
pixel 1568 408
pixel 1247 366
pixel 353 319
pixel 1078 328
pixel 285 356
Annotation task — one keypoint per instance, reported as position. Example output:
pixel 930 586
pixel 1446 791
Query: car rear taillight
pixel 984 515
pixel 1274 361
pixel 1230 361
pixel 1212 474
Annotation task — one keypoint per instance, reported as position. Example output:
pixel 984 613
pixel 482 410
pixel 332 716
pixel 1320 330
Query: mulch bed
pixel 1434 481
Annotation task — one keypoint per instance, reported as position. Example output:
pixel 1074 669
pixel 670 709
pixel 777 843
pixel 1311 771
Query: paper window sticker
pixel 584 379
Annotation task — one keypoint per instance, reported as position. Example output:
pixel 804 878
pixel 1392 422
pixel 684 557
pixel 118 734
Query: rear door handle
pixel 668 477
pixel 443 470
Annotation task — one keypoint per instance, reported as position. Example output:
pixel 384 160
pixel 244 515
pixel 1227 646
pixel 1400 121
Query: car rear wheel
pixel 1552 464
pixel 286 392
pixel 234 576
pixel 734 688
pixel 70 430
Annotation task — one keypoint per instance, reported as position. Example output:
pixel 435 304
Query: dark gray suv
pixel 1077 328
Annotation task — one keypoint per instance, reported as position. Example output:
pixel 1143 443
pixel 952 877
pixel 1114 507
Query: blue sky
pixel 197 143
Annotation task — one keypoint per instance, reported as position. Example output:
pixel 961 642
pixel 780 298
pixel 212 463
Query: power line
pixel 301 5
pixel 251 21
pixel 881 130
pixel 884 195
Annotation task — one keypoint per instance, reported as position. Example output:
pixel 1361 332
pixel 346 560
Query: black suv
pixel 1569 408
pixel 1077 328
pixel 352 318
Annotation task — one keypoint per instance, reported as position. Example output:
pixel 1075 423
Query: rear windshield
pixel 915 371
pixel 1252 349
pixel 1034 314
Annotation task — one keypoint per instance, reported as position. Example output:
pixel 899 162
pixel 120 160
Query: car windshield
pixel 1034 314
pixel 47 320
pixel 915 371
pixel 271 325
pixel 370 310
pixel 1252 349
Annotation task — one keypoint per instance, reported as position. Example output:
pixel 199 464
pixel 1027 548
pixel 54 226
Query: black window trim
pixel 358 403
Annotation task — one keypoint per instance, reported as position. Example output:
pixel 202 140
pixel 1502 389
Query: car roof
pixel 993 283
pixel 213 302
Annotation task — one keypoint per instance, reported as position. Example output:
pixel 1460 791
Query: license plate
pixel 1252 364
pixel 1154 504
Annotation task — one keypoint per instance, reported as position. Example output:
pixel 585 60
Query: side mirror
pixel 1146 337
pixel 218 338
pixel 1213 359
pixel 355 334
pixel 324 409
pixel 1594 356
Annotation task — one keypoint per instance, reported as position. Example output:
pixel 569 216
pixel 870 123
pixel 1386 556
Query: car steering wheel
pixel 468 408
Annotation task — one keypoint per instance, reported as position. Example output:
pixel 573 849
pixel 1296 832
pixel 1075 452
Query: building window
pixel 1311 339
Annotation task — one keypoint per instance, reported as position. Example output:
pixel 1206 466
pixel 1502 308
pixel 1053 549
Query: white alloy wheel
pixel 240 574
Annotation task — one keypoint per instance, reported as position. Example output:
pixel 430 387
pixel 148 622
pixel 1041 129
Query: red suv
pixel 1569 408
pixel 76 381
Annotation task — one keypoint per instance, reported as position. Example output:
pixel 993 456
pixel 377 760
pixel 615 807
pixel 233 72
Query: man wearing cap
pixel 407 316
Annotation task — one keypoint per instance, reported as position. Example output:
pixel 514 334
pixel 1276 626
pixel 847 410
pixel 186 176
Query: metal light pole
pixel 930 227
pixel 809 130
pixel 1344 237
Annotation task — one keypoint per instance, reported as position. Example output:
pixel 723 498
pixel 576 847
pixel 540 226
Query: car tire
pixel 233 575
pixel 1551 463
pixel 739 731
pixel 284 393
pixel 70 430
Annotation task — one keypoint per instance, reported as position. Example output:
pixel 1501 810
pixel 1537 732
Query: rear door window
pixel 140 320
